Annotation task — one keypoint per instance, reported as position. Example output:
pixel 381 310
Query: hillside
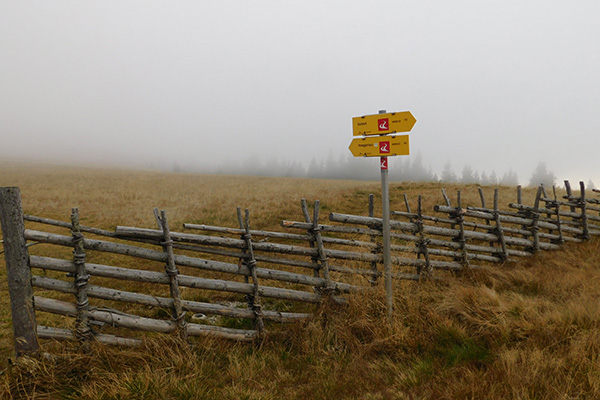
pixel 528 329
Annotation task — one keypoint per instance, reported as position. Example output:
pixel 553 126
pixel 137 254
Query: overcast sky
pixel 492 84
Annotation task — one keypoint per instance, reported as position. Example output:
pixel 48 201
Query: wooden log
pixel 521 220
pixel 123 320
pixel 184 280
pixel 449 244
pixel 594 229
pixel 453 245
pixel 18 274
pixel 233 231
pixel 576 201
pixel 181 260
pixel 450 221
pixel 433 230
pixel 131 232
pixel 333 228
pixel 238 255
pixel 278 248
pixel 47 332
pixel 62 224
pixel 163 302
pixel 268 234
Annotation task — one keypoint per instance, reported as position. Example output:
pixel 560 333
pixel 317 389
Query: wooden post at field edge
pixel 17 271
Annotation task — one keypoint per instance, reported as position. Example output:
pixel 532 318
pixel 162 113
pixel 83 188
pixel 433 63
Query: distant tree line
pixel 402 169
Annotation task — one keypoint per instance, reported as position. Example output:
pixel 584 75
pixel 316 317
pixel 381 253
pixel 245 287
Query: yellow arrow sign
pixel 376 146
pixel 381 124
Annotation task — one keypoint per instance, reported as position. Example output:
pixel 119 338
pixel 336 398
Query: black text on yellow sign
pixel 381 124
pixel 377 146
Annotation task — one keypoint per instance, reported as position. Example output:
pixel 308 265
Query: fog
pixel 199 86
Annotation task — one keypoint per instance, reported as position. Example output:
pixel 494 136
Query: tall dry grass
pixel 528 330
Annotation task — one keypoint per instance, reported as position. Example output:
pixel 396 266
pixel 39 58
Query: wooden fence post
pixel 311 242
pixel 173 274
pixel 482 197
pixel 83 331
pixel 253 300
pixel 422 242
pixel 555 204
pixel 316 233
pixel 460 216
pixel 503 255
pixel 584 219
pixel 18 272
pixel 535 217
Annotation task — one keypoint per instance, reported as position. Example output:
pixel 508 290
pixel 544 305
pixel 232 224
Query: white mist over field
pixel 201 86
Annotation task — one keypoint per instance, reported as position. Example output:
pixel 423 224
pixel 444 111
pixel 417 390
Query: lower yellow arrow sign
pixel 377 146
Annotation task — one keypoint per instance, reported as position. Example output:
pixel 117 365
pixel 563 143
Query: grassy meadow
pixel 523 330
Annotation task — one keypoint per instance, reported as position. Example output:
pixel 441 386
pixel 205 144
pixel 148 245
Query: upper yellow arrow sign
pixel 380 146
pixel 381 124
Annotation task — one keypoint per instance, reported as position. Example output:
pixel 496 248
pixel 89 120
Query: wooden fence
pixel 177 290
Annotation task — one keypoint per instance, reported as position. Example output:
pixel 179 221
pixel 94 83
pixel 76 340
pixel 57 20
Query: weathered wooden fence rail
pixel 320 262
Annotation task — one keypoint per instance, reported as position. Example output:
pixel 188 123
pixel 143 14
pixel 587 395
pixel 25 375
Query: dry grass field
pixel 523 330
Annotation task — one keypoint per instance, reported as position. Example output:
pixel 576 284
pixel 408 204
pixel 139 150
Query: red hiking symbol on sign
pixel 383 163
pixel 384 124
pixel 384 147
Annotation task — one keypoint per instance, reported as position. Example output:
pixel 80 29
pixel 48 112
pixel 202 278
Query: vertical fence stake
pixel 422 242
pixel 460 216
pixel 316 233
pixel 499 232
pixel 18 273
pixel 254 298
pixel 487 221
pixel 172 273
pixel 556 206
pixel 535 216
pixel 446 198
pixel 83 330
pixel 311 242
pixel 244 251
pixel 584 219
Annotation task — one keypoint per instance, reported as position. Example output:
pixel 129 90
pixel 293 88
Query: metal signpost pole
pixel 387 253
pixel 378 137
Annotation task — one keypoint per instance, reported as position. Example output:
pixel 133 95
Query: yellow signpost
pixel 385 145
pixel 383 124
pixel 378 146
